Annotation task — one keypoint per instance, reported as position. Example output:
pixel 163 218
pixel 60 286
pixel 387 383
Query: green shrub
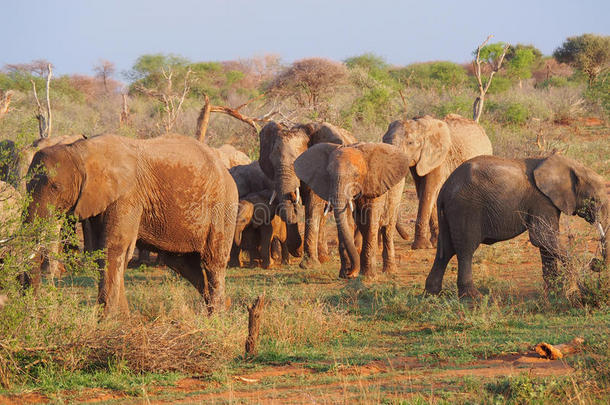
pixel 516 114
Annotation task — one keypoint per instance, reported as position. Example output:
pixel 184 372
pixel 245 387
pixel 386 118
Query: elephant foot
pixel 309 262
pixel 389 268
pixel 349 273
pixel 433 287
pixel 469 292
pixel 421 243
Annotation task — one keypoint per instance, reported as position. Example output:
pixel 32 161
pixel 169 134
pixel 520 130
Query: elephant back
pixel 468 139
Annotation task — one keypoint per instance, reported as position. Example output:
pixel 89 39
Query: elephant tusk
pixel 600 228
pixel 327 209
pixel 351 205
pixel 298 196
pixel 272 197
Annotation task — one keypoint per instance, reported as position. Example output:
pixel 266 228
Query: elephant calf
pixel 256 228
pixel 490 199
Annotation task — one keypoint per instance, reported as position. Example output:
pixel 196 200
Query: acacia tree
pixel 588 52
pixel 310 82
pixel 493 56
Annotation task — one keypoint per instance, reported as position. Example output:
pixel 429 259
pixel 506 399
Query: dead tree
pixel 5 102
pixel 204 116
pixel 477 108
pixel 45 121
pixel 255 314
pixel 124 117
pixel 172 100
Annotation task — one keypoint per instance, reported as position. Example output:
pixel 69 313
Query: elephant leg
pixel 234 256
pixel 369 229
pixel 444 252
pixel 276 249
pixel 266 238
pixel 323 255
pixel 428 189
pixel 214 257
pixel 312 227
pixel 120 234
pixel 188 265
pixel 388 253
pixel 543 233
pixel 285 251
pixel 465 284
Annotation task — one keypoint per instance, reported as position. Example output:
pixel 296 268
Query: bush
pixel 516 114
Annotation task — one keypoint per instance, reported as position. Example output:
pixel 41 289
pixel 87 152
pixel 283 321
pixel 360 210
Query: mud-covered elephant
pixel 170 194
pixel 435 148
pixel 490 199
pixel 372 176
pixel 279 148
pixel 258 219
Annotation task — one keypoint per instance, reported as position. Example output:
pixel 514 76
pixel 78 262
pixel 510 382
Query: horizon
pixel 75 35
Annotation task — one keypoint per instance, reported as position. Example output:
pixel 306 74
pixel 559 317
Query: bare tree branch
pixel 477 108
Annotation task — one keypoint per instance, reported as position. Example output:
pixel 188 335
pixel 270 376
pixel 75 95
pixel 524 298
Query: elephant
pixel 257 218
pixel 169 194
pixel 371 175
pixel 230 156
pixel 279 148
pixel 249 179
pixel 435 148
pixel 490 199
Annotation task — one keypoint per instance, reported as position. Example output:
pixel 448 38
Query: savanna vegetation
pixel 322 338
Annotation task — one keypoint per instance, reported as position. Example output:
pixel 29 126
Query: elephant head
pixel 340 174
pixel 425 140
pixel 576 190
pixel 78 180
pixel 280 147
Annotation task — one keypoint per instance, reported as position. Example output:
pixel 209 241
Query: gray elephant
pixel 435 148
pixel 170 194
pixel 249 179
pixel 279 148
pixel 490 199
pixel 372 176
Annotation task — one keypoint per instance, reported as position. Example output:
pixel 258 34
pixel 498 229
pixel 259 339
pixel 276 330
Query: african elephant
pixel 249 179
pixel 279 148
pixel 489 199
pixel 258 218
pixel 170 194
pixel 370 174
pixel 435 148
pixel 230 156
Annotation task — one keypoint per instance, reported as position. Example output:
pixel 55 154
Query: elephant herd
pixel 199 207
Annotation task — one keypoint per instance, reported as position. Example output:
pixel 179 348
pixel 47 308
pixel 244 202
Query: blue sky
pixel 75 34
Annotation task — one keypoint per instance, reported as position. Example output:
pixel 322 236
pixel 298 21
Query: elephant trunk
pixel 346 235
pixel 294 242
pixel 286 186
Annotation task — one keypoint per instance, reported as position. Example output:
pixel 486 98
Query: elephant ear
pixel 387 165
pixel 244 216
pixel 436 143
pixel 109 172
pixel 312 168
pixel 325 132
pixel 267 138
pixel 557 179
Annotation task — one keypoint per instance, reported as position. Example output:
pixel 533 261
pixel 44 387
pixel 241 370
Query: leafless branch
pixel 477 108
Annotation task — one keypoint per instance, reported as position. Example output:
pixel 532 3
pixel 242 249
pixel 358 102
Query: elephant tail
pixel 401 227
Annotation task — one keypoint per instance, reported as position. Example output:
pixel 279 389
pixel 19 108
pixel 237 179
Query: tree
pixel 104 70
pixel 309 81
pixel 520 60
pixel 588 52
pixel 492 55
